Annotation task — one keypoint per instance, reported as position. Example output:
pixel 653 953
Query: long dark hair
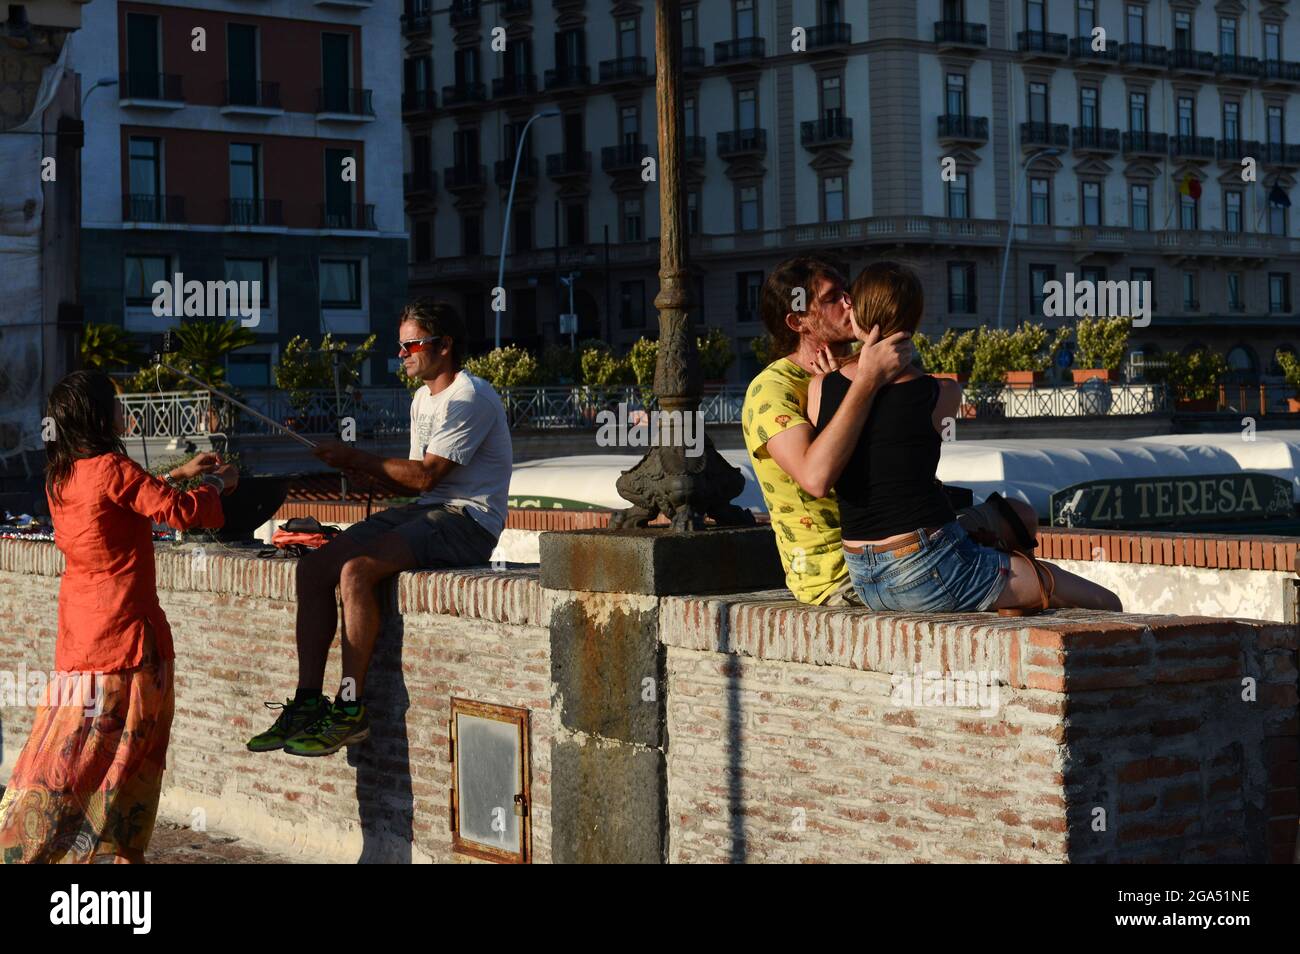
pixel 81 407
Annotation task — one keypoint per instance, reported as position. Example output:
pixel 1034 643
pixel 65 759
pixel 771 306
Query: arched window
pixel 1243 366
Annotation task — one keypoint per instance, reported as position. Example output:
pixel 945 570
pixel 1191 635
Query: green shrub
pixel 303 368
pixel 716 354
pixel 1290 365
pixel 505 367
pixel 953 353
pixel 1195 375
pixel 1102 342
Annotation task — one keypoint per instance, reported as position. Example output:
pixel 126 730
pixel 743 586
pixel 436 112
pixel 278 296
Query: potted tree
pixel 952 356
pixel 1290 366
pixel 1030 350
pixel 715 355
pixel 1194 378
pixel 303 369
pixel 1102 344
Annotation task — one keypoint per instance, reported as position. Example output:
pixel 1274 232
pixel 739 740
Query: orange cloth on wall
pixel 109 590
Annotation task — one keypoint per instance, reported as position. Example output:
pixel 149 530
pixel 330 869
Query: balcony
pixel 504 169
pixel 1238 67
pixel 1280 72
pixel 464 177
pixel 153 208
pixel 463 12
pixel 568 165
pixel 695 149
pixel 693 58
pixel 1232 151
pixel 1037 44
pixel 1081 49
pixel 1096 140
pixel 742 142
pixel 1191 62
pixel 1143 56
pixel 511 86
pixel 419 183
pixel 460 95
pixel 1279 154
pixel 1196 148
pixel 353 217
pixel 517 8
pixel 829 36
pixel 827 131
pixel 250 97
pixel 254 212
pixel 956 128
pixel 625 157
pixel 568 77
pixel 1041 135
pixel 419 101
pixel 955 35
pixel 624 68
pixel 151 90
pixel 745 49
pixel 417 23
pixel 1149 144
pixel 347 105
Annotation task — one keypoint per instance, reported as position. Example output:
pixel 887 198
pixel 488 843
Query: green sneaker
pixel 294 717
pixel 333 730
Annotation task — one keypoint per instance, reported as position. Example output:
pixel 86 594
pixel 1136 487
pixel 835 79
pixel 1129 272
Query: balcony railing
pixel 419 100
pixel 624 68
pixel 829 130
pixel 153 208
pixel 1081 49
pixel 250 93
pixel 624 156
pixel 463 94
pixel 1095 139
pixel 827 35
pixel 345 101
pixel 1045 134
pixel 1280 71
pixel 957 33
pixel 463 176
pixel 568 77
pixel 1191 61
pixel 1280 154
pixel 1145 143
pixel 417 22
pixel 561 164
pixel 1144 55
pixel 1191 147
pixel 267 212
pixel 353 216
pixel 1231 65
pixel 953 126
pixel 742 142
pixel 504 169
pixel 1234 150
pixel 518 84
pixel 1039 41
pixel 693 58
pixel 152 86
pixel 740 50
pixel 463 12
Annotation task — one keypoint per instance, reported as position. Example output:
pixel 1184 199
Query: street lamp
pixel 1011 224
pixel 106 81
pixel 510 201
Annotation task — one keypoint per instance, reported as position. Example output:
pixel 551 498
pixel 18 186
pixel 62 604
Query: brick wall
pixel 787 739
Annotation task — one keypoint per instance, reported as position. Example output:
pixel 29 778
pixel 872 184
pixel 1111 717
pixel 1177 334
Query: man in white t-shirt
pixel 458 467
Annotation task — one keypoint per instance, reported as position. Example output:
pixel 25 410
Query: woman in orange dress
pixel 87 782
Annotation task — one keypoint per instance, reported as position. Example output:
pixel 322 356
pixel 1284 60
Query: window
pixel 1277 219
pixel 514 144
pixel 1089 115
pixel 745 21
pixel 145 200
pixel 1186 116
pixel 959 197
pixel 421 161
pixel 961 288
pixel 339 210
pixel 1136 20
pixel 629 125
pixel 471 234
pixel 1145 279
pixel 575 223
pixel 523 230
pixel 627 38
pixel 1191 299
pixel 1091 203
pixel 833 199
pixel 1139 207
pixel 141 272
pixel 1035 20
pixel 1274 126
pixel 523 313
pixel 1227 36
pixel 1279 292
pixel 1182 30
pixel 1039 275
pixel 1188 212
pixel 340 283
pixel 746 109
pixel 690 28
pixel 690 118
pixel 1040 202
pixel 1085 17
pixel 1038 102
pixel 422 240
pixel 955 85
pixel 336 72
pixel 241 65
pixel 252 270
pixel 1231 122
pixel 1232 210
pixel 519 58
pixel 245 184
pixel 464 148
pixel 631 214
pixel 747 200
pixel 570 50
pixel 143 57
pixel 248 369
pixel 1137 112
pixel 832 97
pixel 1272 41
pixel 1235 302
pixel 749 289
pixel 631 308
pixel 693 212
pixel 466 65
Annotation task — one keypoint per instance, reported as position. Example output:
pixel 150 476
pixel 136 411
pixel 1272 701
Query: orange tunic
pixel 109 590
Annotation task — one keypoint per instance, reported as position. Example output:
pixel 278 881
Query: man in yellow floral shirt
pixel 808 314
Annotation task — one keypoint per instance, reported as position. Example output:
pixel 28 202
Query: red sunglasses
pixel 415 345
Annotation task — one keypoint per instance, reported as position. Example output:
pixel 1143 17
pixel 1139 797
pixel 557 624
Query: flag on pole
pixel 1279 197
pixel 1190 186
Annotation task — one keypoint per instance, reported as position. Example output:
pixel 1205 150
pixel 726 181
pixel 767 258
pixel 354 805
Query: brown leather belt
pixel 898 550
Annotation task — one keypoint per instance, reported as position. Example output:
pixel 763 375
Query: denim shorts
pixel 949 573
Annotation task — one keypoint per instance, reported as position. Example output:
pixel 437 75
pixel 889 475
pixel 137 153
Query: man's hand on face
pixel 883 359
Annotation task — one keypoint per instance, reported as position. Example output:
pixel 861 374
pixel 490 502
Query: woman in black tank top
pixel 905 548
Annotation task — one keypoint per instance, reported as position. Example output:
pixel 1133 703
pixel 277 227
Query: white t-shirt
pixel 466 423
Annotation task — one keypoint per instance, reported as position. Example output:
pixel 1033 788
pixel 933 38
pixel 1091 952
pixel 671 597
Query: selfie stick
pixel 239 404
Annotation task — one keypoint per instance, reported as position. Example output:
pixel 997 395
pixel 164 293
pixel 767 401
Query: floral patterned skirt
pixel 88 780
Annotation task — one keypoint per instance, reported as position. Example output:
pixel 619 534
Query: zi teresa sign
pixel 1157 501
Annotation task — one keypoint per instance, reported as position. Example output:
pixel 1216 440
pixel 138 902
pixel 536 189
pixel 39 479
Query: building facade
pixel 832 139
pixel 247 141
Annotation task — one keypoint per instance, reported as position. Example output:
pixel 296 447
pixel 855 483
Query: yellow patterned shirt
pixel 807 527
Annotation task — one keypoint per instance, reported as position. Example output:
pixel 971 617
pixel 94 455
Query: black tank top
pixel 888 486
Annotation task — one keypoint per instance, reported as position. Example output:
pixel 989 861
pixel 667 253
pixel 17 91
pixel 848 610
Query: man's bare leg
pixel 318 574
pixel 384 557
